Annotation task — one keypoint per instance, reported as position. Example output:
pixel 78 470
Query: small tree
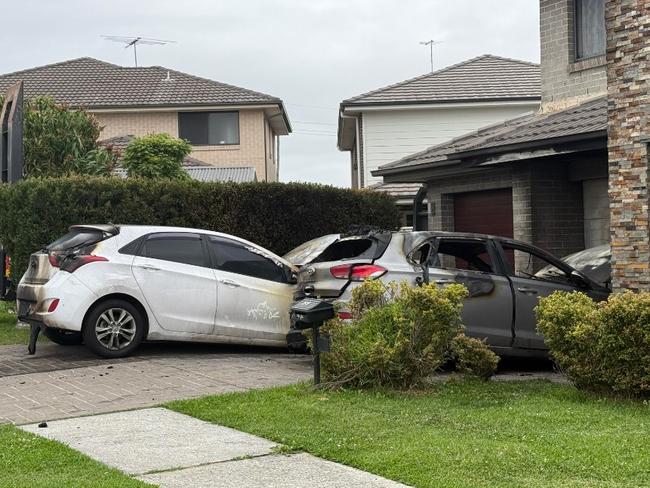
pixel 156 156
pixel 56 137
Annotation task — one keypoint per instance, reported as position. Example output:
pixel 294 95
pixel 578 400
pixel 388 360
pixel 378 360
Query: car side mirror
pixel 292 277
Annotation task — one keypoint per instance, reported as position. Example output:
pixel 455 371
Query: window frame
pixel 207 115
pixel 535 252
pixel 143 245
pixel 495 262
pixel 213 259
pixel 577 31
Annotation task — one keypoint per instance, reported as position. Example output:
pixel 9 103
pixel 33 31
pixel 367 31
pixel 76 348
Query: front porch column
pixel 628 79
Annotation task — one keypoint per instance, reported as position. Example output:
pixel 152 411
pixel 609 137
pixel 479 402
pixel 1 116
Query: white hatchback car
pixel 111 287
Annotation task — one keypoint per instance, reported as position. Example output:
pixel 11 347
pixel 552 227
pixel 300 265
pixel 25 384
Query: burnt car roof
pixel 413 239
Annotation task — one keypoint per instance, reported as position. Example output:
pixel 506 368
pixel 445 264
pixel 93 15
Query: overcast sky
pixel 310 53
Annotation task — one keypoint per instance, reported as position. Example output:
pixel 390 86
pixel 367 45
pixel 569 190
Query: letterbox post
pixel 311 313
pixel 316 351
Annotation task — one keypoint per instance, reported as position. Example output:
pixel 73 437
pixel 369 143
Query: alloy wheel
pixel 115 329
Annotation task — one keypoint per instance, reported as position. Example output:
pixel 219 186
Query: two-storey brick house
pixel 574 174
pixel 228 126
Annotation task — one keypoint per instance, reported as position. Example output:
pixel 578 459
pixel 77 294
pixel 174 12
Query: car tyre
pixel 63 337
pixel 114 329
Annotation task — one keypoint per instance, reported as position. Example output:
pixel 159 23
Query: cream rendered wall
pixel 249 152
pixel 389 135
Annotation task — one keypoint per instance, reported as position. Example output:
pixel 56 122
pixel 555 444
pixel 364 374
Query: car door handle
pixel 229 283
pixel 527 291
pixel 444 282
pixel 148 267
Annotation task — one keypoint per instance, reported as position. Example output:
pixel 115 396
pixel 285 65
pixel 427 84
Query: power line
pixel 313 123
pixel 317 107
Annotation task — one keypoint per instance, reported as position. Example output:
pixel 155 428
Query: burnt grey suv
pixel 505 278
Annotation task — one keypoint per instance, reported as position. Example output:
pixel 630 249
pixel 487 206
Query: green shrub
pixel 277 216
pixel 55 137
pixel 603 347
pixel 394 344
pixel 96 162
pixel 156 156
pixel 473 357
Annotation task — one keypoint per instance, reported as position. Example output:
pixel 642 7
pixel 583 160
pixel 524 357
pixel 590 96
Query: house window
pixel 590 28
pixel 209 128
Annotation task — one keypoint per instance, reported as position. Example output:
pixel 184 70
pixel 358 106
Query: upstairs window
pixel 591 39
pixel 209 128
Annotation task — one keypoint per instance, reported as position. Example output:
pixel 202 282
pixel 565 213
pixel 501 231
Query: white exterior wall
pixel 596 210
pixel 389 135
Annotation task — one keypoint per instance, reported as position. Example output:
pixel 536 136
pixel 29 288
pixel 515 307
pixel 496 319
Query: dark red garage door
pixel 484 212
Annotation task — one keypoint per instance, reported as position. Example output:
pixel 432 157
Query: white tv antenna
pixel 134 41
pixel 431 43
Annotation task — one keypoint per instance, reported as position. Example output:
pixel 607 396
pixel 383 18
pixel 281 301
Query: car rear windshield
pixel 77 238
pixel 310 250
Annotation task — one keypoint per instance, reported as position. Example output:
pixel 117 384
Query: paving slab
pixel 61 382
pixel 141 441
pixel 274 471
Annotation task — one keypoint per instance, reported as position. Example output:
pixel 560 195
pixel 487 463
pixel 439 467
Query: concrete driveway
pixel 60 382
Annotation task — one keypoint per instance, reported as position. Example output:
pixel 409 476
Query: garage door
pixel 484 212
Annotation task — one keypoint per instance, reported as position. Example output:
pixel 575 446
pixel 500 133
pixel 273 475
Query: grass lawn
pixel 9 334
pixel 459 434
pixel 29 460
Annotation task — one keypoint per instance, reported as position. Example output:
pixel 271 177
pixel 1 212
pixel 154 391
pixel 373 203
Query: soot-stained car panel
pixel 502 291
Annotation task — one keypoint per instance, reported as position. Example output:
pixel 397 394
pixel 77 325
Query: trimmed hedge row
pixel 278 216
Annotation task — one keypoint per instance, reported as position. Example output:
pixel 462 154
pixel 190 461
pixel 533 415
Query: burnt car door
pixel 535 274
pixel 473 262
pixel 254 292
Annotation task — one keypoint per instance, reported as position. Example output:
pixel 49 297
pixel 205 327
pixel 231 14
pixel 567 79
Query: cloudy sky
pixel 310 53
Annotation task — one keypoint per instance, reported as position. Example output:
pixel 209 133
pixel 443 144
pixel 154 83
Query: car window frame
pixel 540 254
pixel 489 246
pixel 146 237
pixel 213 259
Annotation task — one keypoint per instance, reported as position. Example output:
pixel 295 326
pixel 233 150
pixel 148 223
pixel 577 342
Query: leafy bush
pixel 277 216
pixel 603 347
pixel 473 357
pixel 156 156
pixel 96 162
pixel 395 343
pixel 55 137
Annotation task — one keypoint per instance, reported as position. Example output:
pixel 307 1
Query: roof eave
pixel 510 148
pixel 356 104
pixel 493 151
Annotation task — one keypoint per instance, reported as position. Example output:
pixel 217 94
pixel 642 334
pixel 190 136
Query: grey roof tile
pixel 397 190
pixel 238 174
pixel 89 82
pixel 486 77
pixel 587 118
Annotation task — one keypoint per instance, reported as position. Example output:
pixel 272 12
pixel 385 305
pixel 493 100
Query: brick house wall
pixel 255 136
pixel 547 204
pixel 628 73
pixel 565 81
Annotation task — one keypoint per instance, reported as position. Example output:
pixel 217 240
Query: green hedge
pixel 278 216
pixel 602 347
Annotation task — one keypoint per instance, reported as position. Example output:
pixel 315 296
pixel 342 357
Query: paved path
pixel 172 450
pixel 60 382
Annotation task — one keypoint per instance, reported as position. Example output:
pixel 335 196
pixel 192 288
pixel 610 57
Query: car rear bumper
pixel 34 300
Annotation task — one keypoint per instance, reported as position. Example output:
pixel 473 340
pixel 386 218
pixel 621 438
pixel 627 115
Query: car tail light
pixel 53 304
pixel 357 272
pixel 54 259
pixel 73 263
